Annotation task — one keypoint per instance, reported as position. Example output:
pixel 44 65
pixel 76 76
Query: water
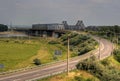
pixel 12 35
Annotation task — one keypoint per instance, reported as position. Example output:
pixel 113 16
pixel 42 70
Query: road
pixel 40 72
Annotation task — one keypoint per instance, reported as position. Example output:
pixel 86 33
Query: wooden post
pixel 99 56
pixel 112 44
pixel 68 58
pixel 117 40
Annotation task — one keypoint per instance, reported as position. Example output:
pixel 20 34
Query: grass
pixel 19 53
pixel 114 62
pixel 71 77
pixel 12 53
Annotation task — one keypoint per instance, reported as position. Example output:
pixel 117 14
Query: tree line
pixel 111 29
pixel 3 27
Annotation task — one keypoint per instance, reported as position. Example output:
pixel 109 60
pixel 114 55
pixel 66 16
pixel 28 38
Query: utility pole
pixel 68 58
pixel 99 56
pixel 115 39
pixel 11 28
pixel 117 36
pixel 112 43
pixel 29 35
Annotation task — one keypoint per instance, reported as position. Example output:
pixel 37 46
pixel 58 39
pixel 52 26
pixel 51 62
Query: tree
pixel 3 27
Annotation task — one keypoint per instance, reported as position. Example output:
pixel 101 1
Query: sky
pixel 28 12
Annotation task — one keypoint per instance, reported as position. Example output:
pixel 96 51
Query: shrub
pixel 16 41
pixel 55 57
pixel 6 40
pixel 85 50
pixel 73 35
pixel 117 55
pixel 98 70
pixel 64 37
pixel 84 37
pixel 105 62
pixel 37 61
pixel 79 78
pixel 74 54
pixel 54 42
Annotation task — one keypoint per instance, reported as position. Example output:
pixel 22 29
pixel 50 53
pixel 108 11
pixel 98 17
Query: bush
pixel 37 61
pixel 54 42
pixel 105 62
pixel 80 78
pixel 64 37
pixel 85 37
pixel 16 41
pixel 7 40
pixel 85 50
pixel 98 70
pixel 72 35
pixel 74 54
pixel 79 43
pixel 55 57
pixel 117 55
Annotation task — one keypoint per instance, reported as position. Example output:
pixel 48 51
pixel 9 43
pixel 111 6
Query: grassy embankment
pixel 105 70
pixel 73 76
pixel 19 53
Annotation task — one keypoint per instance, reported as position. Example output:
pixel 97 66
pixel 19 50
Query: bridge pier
pixel 46 33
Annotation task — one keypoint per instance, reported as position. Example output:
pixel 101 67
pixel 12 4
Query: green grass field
pixel 13 52
pixel 19 53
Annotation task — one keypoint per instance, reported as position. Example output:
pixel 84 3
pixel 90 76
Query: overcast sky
pixel 28 12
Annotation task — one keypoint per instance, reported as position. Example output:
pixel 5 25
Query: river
pixel 12 35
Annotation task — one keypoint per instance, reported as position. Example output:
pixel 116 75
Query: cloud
pixel 98 12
